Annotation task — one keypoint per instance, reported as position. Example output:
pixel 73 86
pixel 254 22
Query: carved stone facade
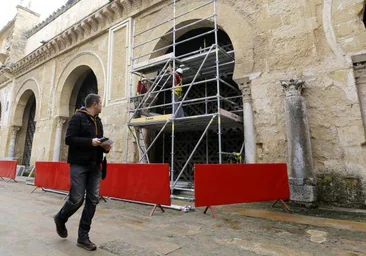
pixel 273 40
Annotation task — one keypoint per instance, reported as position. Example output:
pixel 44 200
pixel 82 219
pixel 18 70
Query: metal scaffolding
pixel 205 67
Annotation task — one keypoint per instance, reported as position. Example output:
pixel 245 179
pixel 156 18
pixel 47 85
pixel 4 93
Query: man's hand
pixel 96 142
pixel 107 147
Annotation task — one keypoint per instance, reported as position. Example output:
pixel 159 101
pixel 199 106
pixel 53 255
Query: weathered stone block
pixel 303 194
pixel 341 190
pixel 348 11
pixel 347 29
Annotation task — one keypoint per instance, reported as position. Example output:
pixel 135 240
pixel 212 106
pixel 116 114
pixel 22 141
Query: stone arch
pixel 28 88
pixel 70 76
pixel 334 22
pixel 184 139
pixel 239 31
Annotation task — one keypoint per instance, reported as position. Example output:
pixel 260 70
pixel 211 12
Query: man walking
pixel 85 156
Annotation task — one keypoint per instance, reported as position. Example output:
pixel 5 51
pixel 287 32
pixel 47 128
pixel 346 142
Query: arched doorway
pixel 84 85
pixel 23 118
pixel 184 142
pixel 84 82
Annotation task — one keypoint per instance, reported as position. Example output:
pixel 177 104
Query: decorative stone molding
pixel 93 22
pixel 5 75
pixel 293 87
pixel 117 8
pixel 127 5
pixel 79 32
pixel 85 27
pixel 60 121
pixel 96 22
pixel 244 85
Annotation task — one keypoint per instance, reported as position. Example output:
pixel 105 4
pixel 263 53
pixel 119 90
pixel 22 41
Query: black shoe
pixel 86 244
pixel 60 227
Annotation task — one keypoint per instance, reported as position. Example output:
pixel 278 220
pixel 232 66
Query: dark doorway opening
pixel 364 15
pixel 88 85
pixel 29 113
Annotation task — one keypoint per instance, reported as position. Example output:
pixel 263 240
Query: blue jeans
pixel 84 178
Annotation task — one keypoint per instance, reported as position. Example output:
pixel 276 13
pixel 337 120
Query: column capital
pixel 60 121
pixel 14 129
pixel 244 85
pixel 293 87
pixel 247 92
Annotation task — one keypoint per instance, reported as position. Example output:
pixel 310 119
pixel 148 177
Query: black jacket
pixel 80 133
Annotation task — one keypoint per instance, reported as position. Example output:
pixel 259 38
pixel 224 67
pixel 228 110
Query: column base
pixel 304 195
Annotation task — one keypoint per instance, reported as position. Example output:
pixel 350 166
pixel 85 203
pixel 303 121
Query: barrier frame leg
pixel 13 180
pixel 103 199
pixel 36 189
pixel 2 178
pixel 154 208
pixel 288 209
pixel 212 211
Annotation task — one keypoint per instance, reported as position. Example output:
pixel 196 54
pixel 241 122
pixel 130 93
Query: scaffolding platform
pixel 191 63
pixel 189 123
pixel 152 65
pixel 210 98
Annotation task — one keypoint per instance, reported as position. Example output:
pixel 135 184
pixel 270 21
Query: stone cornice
pixel 52 17
pixel 86 29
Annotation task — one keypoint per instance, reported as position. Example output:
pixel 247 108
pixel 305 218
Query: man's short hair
pixel 91 99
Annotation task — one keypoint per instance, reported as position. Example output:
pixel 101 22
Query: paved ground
pixel 119 228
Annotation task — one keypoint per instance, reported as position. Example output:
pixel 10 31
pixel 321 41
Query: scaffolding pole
pixel 204 63
pixel 218 85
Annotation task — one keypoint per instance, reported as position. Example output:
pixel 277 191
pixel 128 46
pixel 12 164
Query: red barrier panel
pixel 138 182
pixel 217 184
pixel 52 175
pixel 8 169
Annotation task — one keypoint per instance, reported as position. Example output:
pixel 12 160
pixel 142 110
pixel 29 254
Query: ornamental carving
pixel 14 130
pixel 293 87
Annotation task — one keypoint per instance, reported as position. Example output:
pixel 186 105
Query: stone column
pixel 300 160
pixel 249 132
pixel 14 132
pixel 56 150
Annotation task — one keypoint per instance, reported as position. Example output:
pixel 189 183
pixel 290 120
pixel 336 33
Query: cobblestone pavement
pixel 120 228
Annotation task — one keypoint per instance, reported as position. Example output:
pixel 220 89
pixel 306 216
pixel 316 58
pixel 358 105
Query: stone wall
pixel 24 20
pixel 337 189
pixel 6 34
pixel 273 40
pixel 287 39
pixel 5 99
